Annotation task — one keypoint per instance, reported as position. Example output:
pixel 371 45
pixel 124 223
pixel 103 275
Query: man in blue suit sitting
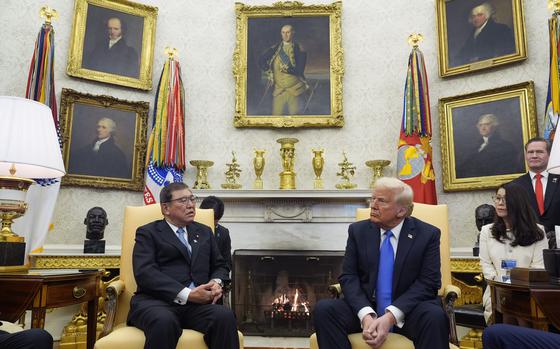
pixel 390 278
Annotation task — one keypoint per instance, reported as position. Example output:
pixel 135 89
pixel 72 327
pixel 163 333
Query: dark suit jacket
pixel 162 266
pixel 494 40
pixel 499 157
pixel 120 59
pixel 108 161
pixel 300 59
pixel 224 243
pixel 416 274
pixel 551 215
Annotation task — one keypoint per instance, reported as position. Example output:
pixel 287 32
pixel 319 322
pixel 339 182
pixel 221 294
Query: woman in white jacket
pixel 514 235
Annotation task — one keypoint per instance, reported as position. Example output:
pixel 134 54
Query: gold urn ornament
pixel 288 153
pixel 258 164
pixel 318 162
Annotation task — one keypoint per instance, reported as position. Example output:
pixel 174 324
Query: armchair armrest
pixel 450 295
pixel 335 290
pixel 114 289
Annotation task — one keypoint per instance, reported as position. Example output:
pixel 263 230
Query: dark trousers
pixel 427 325
pixel 34 338
pixel 163 325
pixel 501 336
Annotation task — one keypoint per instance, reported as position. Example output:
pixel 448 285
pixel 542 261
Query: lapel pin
pixel 554 180
pixel 410 236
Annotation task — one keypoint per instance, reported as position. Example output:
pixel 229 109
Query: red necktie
pixel 539 193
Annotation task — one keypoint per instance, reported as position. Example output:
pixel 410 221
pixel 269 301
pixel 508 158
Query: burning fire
pixel 285 303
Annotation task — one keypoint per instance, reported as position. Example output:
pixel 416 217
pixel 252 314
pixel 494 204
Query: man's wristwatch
pixel 219 282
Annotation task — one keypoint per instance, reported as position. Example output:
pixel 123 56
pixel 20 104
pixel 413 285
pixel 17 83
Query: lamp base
pixel 12 257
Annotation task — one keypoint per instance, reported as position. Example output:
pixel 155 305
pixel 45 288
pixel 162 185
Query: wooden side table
pixel 536 303
pixel 40 290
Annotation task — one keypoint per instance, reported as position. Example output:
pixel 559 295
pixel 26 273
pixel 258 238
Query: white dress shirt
pixel 397 313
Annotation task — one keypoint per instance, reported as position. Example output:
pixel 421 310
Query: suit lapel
pixel 406 240
pixel 372 242
pixel 551 186
pixel 526 182
pixel 169 236
pixel 194 238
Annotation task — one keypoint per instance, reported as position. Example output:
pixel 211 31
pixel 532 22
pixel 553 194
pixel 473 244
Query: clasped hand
pixel 375 330
pixel 206 294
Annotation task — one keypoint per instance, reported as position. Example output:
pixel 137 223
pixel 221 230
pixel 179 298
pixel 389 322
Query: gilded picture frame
pixel 483 136
pixel 288 65
pixel 475 35
pixel 113 42
pixel 103 140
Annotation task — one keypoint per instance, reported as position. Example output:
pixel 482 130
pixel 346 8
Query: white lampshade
pixel 28 139
pixel 554 160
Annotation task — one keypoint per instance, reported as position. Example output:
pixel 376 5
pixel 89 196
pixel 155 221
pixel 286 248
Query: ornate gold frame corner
pixel 136 182
pixel 75 53
pixel 336 55
pixel 520 37
pixel 524 91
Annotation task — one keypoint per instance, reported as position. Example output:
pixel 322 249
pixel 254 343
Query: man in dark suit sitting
pixel 543 187
pixel 179 272
pixel 502 336
pixel 392 265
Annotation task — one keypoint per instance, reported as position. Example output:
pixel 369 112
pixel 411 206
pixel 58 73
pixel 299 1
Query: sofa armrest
pixel 450 295
pixel 114 289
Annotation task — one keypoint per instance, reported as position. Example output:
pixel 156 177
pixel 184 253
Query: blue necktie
pixel 181 236
pixel 383 291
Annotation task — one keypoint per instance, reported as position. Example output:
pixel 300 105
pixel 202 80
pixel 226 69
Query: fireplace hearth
pixel 274 291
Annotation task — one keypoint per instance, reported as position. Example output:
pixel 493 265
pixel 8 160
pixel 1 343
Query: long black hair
pixel 522 217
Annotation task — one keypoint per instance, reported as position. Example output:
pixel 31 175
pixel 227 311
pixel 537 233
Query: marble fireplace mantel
pixel 285 206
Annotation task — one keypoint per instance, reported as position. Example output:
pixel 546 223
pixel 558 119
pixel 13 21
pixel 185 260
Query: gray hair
pixel 403 192
pixel 492 119
pixel 486 8
pixel 110 123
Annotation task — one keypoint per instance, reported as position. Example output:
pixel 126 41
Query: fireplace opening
pixel 275 291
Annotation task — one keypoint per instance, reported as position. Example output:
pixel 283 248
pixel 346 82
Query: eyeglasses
pixel 185 200
pixel 497 199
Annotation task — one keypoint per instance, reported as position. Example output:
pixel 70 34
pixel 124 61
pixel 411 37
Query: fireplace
pixel 275 291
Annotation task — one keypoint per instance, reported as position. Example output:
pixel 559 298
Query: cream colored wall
pixel 376 53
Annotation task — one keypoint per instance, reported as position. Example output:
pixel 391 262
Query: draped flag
pixel 552 110
pixel 414 159
pixel 165 157
pixel 42 195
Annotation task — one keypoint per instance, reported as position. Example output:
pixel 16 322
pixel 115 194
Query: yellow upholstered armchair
pixel 436 215
pixel 116 334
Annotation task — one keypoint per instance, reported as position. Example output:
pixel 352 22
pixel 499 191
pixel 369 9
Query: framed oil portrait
pixel 104 140
pixel 113 42
pixel 479 34
pixel 288 65
pixel 483 136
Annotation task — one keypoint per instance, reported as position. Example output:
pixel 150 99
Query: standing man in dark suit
pixel 112 54
pixel 179 272
pixel 543 187
pixel 390 278
pixel 488 39
pixel 222 233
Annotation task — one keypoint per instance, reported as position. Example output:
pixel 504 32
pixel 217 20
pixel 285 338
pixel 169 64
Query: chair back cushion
pixel 436 215
pixel 134 217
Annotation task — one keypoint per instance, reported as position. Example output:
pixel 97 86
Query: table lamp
pixel 552 256
pixel 29 149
